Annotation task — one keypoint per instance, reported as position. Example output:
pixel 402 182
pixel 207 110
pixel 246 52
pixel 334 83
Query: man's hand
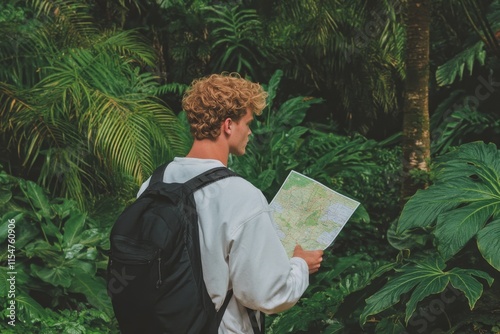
pixel 312 258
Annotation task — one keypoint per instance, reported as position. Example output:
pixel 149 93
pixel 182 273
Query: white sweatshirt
pixel 240 249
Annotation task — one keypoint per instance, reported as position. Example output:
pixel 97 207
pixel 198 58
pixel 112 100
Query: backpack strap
pixel 210 176
pixel 220 312
pixel 158 174
pixel 198 181
pixel 255 324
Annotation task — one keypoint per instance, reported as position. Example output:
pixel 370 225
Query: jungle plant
pixel 81 320
pixel 235 32
pixel 460 217
pixel 86 121
pixel 351 51
pixel 331 302
pixel 467 73
pixel 58 253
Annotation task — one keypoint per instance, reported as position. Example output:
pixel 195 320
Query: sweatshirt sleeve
pixel 262 275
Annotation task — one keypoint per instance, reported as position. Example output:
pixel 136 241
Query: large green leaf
pixel 57 276
pixel 265 179
pixel 455 228
pixel 92 237
pixel 50 254
pixel 425 278
pixel 293 111
pixel 462 280
pixel 73 228
pixel 423 209
pixel 469 159
pixel 488 242
pixel 93 288
pixel 28 308
pixel 4 286
pixel 461 202
pixel 6 221
pixel 25 229
pixel 5 196
pixel 272 88
pixel 37 197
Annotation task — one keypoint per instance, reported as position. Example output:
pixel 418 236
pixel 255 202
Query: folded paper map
pixel 308 213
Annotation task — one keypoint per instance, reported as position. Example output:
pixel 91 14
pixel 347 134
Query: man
pixel 240 249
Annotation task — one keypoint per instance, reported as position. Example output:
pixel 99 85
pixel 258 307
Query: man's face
pixel 240 133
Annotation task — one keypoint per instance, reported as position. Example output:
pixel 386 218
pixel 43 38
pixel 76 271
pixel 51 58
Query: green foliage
pixel 454 68
pixel 182 31
pixel 11 13
pixel 327 306
pixel 456 119
pixel 438 227
pixel 82 320
pixel 466 54
pixel 464 33
pixel 350 51
pixel 87 121
pixel 235 32
pixel 58 251
pixel 424 278
pixel 464 199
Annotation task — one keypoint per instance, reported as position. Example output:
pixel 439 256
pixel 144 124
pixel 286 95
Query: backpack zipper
pixel 158 283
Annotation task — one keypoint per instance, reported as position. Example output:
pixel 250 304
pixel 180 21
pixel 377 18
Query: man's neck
pixel 209 149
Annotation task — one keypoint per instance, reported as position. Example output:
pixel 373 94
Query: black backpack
pixel 155 277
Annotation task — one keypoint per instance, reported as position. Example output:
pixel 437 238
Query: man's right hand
pixel 312 258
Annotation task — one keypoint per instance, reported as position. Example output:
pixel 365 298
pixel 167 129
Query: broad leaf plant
pixel 461 207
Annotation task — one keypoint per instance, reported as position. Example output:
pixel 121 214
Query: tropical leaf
pixel 455 228
pixel 334 328
pixel 6 221
pixel 293 111
pixel 37 197
pixel 455 119
pixel 89 119
pixel 42 249
pixel 488 242
pixel 235 31
pixel 175 88
pixel 463 280
pixel 272 89
pixel 461 202
pixel 57 276
pixel 25 229
pixel 73 228
pixel 448 72
pixel 266 179
pixel 93 288
pixel 28 308
pixel 420 280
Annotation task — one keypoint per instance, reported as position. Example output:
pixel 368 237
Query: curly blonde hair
pixel 212 99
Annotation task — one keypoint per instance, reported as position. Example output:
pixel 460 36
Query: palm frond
pixel 174 88
pixel 68 14
pixel 235 31
pixel 454 68
pixel 90 118
pixel 127 43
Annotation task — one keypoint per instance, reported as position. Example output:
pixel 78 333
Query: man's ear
pixel 226 126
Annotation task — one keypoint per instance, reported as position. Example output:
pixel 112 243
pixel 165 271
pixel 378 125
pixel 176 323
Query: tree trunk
pixel 416 139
